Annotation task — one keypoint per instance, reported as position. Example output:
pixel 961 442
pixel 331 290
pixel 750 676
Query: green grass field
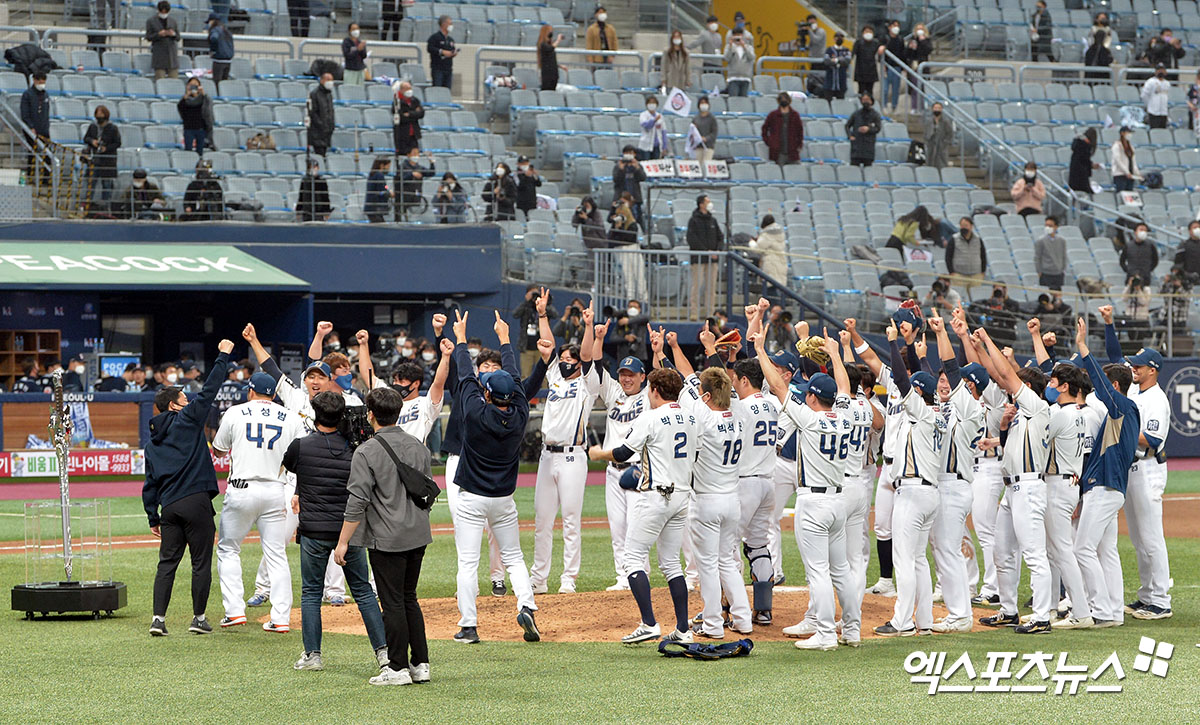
pixel 112 671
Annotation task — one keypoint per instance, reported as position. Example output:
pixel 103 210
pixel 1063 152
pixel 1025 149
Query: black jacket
pixel 1079 176
pixel 527 187
pixel 353 57
pixel 104 156
pixel 1187 255
pixel 320 117
pixel 437 43
pixel 632 184
pixel 206 199
pixel 406 122
pixel 196 112
pixel 29 58
pixel 321 462
pixel 862 145
pixel 1139 259
pixel 500 194
pixel 35 111
pixel 491 438
pixel 312 205
pixel 866 62
pixel 897 47
pixel 177 460
pixel 704 233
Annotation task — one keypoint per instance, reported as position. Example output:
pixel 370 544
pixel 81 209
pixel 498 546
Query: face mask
pixel 601 17
pixel 713 27
pixel 1161 74
pixel 40 86
pixel 634 312
pixel 400 341
pixel 1141 236
pixel 449 29
pixel 343 381
pixel 567 369
pixel 522 167
pixel 1050 230
pixel 676 41
pixel 1196 233
pixel 894 30
pixel 409 93
pixel 627 157
pixel 920 34
pixel 814 27
pixel 404 390
pixel 414 160
pixel 328 85
pixel 407 352
pixel 138 183
pixel 355 33
pixel 1030 175
pixel 965 231
pixel 499 171
pixel 428 356
pixel 335 345
pixel 838 42
pixel 785 102
pixel 866 105
pixel 239 375
pixel 937 112
pixel 1051 394
pixel 473 352
pixel 163 16
pixel 651 107
pixel 709 206
pixel 80 370
pixel 868 36
pixel 172 378
pixel 101 120
pixel 703 107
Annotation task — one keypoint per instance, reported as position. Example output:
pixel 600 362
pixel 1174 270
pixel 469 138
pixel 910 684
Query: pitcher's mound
pixel 600 616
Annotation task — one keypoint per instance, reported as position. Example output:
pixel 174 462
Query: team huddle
pixel 701 464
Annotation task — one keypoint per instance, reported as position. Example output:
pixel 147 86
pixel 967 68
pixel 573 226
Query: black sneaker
pixel 498 588
pixel 887 630
pixel 762 617
pixel 985 600
pixel 1000 620
pixel 525 619
pixel 467 635
pixel 158 628
pixel 200 626
pixel 1133 606
pixel 1033 628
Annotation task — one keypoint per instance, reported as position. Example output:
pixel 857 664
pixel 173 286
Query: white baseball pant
pixel 914 511
pixel 885 503
pixel 473 514
pixel 714 520
pixel 1062 494
pixel 259 504
pixel 785 487
pixel 335 580
pixel 856 497
pixel 756 501
pixel 616 505
pixel 820 528
pixel 954 503
pixel 653 518
pixel 985 493
pixel 1143 516
pixel 497 567
pixel 1021 534
pixel 560 482
pixel 1096 551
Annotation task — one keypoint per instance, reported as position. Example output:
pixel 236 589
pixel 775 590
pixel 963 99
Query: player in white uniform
pixel 256 434
pixel 625 399
pixel 823 439
pixel 958 391
pixel 1020 523
pixel 665 438
pixel 420 412
pixel 573 384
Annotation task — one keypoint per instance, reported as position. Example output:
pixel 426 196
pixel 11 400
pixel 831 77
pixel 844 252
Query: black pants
pixel 391 14
pixel 186 522
pixel 1053 281
pixel 866 87
pixel 1028 211
pixel 220 71
pixel 376 218
pixel 1156 121
pixel 298 12
pixel 396 575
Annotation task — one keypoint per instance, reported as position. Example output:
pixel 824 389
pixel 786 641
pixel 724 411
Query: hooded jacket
pixel 491 437
pixel 771 244
pixel 178 463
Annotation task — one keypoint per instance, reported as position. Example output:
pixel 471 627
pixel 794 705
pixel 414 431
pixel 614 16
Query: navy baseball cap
pixel 823 386
pixel 907 314
pixel 1145 357
pixel 925 383
pixel 500 384
pixel 263 384
pixel 977 375
pixel 319 367
pixel 632 364
pixel 630 478
pixel 786 360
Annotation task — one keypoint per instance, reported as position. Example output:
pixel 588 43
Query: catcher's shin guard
pixel 761 574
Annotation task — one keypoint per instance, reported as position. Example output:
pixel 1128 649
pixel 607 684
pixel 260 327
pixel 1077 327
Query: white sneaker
pixel 643 633
pixel 850 641
pixel 1073 623
pixel 388 676
pixel 622 585
pixel 884 588
pixel 817 643
pixel 1064 604
pixel 937 593
pixel 567 586
pixel 679 637
pixel 540 588
pixel 805 628
pixel 381 656
pixel 953 625
pixel 309 661
pixel 419 673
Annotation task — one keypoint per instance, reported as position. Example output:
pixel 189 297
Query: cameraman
pixel 451 201
pixel 570 328
pixel 140 199
pixel 628 176
pixel 411 175
pixel 204 199
pixel 591 224
pixel 631 332
pixel 942 296
pixel 195 111
pixel 527 338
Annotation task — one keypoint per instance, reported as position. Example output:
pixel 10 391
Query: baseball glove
pixel 813 348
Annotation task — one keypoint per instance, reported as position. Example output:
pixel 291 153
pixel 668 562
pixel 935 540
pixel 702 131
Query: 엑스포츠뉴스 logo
pixel 1183 393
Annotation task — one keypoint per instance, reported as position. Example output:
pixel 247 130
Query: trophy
pixel 85 556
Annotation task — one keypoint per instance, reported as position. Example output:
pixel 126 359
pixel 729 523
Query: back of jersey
pixel 720 446
pixel 257 434
pixel 666 438
pixel 823 444
pixel 760 419
pixel 1068 440
pixel 857 424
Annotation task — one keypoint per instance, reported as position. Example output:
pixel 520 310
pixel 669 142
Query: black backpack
pixel 916 153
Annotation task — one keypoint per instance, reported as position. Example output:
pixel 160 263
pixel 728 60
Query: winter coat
pixel 1028 196
pixel 772 245
pixel 1045 31
pixel 592 41
pixel 35 111
pixel 406 122
pixel 164 50
pixel 862 145
pixel 196 112
pixel 527 187
pixel 321 462
pixel 1187 255
pixel 1079 176
pixel 352 57
pixel 591 228
pixel 1140 259
pixel 320 116
pixel 704 233
pixel 772 134
pixel 29 58
pixel 739 68
pixel 500 194
pixel 837 61
pixel 104 158
pixel 866 60
pixel 939 134
pixel 220 43
pixel 707 128
pixel 312 205
pixel 966 256
pixel 676 70
pixel 635 177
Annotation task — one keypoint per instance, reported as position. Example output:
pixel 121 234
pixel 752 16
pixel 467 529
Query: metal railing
pixel 380 50
pixel 252 46
pixel 12 33
pixel 511 56
pixel 55 174
pixel 798 66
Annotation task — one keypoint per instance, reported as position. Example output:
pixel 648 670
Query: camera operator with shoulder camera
pixel 204 199
pixel 570 327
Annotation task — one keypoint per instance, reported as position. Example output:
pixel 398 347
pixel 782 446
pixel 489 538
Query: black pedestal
pixel 63 597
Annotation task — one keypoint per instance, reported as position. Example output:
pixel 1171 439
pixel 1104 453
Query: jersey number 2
pixel 680 444
pixel 258 439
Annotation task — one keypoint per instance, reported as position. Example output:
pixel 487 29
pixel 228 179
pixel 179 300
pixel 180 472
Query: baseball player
pixel 915 506
pixel 787 364
pixel 562 469
pixel 495 411
pixel 665 439
pixel 1147 478
pixel 714 516
pixel 625 399
pixel 256 434
pixel 1102 486
pixel 959 392
pixel 1020 523
pixel 420 412
pixel 823 440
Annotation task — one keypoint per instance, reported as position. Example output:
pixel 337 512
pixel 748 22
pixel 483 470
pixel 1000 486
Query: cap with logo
pixel 500 384
pixel 786 360
pixel 977 375
pixel 1146 357
pixel 632 364
pixel 925 383
pixel 263 384
pixel 823 386
pixel 320 367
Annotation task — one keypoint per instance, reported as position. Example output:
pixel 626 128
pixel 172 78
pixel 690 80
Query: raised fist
pixel 248 333
pixel 324 328
pixel 225 346
pixel 362 337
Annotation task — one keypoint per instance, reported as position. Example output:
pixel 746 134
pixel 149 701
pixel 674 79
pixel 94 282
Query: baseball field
pixel 79 670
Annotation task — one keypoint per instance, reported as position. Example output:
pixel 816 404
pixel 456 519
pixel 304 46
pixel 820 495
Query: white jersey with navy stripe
pixel 721 444
pixel 665 438
pixel 295 398
pixel 1155 411
pixel 623 409
pixel 1027 444
pixel 859 416
pixel 921 450
pixel 993 398
pixel 966 422
pixel 257 434
pixel 875 441
pixel 418 414
pixel 823 441
pixel 1094 414
pixel 760 418
pixel 1067 435
pixel 895 421
pixel 564 416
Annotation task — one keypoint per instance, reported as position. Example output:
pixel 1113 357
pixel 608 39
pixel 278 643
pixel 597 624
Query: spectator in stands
pixel 628 175
pixel 942 295
pixel 911 229
pixel 919 47
pixel 450 201
pixel 141 199
pixel 653 143
pixel 116 383
pixel 1187 254
pixel 162 32
pixel 816 41
pixel 704 235
pixel 739 26
pixel 547 59
pixel 708 42
pixel 965 254
pixel 1050 256
pixel 780 333
pixel 1193 102
pixel 939 135
pixel 631 332
pixel 354 56
pixel 772 246
pixel 407 113
pixel 1079 175
pixel 1028 191
pixel 739 65
pixel 676 66
pixel 1140 257
pixel 411 179
pixel 190 381
pixel 204 199
pixel 220 48
pixel 706 126
pixel 623 225
pixel 783 132
pixel 101 142
pixel 298 12
pixel 1154 94
pixel 391 14
pixel 500 194
pixel 1042 32
pixel 320 116
pixel 600 36
pixel 1137 298
pixel 1101 25
pixel 893 79
pixel 837 62
pixel 591 226
pixel 528 182
pixel 867 52
pixel 375 205
pixel 35 107
pixel 442 52
pixel 312 205
pixel 195 111
pixel 527 316
pixel 1098 55
pixel 862 127
pixel 1124 164
pixel 1166 50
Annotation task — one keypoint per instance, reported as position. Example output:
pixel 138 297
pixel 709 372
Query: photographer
pixel 569 329
pixel 1137 299
pixel 204 199
pixel 195 111
pixel 631 332
pixel 451 201
pixel 780 333
pixel 628 176
pixel 942 296
pixel 375 205
pixel 141 199
pixel 528 182
pixel 410 178
pixel 591 224
pixel 500 194
pixel 312 205
pixel 101 142
pixel 526 315
pixel 623 225
pixel 1000 301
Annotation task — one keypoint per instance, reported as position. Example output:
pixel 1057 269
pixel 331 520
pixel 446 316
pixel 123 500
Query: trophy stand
pixel 85 558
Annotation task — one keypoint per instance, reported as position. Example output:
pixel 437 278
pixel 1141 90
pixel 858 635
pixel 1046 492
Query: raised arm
pixel 589 338
pixel 1112 345
pixel 508 358
pixel 438 386
pixel 862 348
pixel 366 366
pixel 958 322
pixel 1000 370
pixel 317 346
pixel 899 369
pixel 543 302
pixel 839 368
pixel 200 405
pixel 682 364
pixel 945 350
pixel 657 340
pixel 251 337
pixel 772 377
pixel 1039 347
pixel 599 332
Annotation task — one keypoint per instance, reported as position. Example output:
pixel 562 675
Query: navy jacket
pixel 491 438
pixel 35 111
pixel 220 43
pixel 1112 454
pixel 178 463
pixel 452 438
